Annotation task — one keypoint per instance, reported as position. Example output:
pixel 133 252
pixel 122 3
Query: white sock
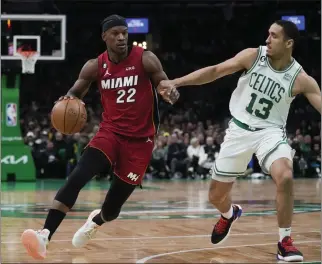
pixel 283 232
pixel 229 214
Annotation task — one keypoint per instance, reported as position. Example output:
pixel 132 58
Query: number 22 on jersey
pixel 126 96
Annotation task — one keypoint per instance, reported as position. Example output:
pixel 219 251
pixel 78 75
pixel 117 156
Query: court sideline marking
pixel 143 260
pixel 165 237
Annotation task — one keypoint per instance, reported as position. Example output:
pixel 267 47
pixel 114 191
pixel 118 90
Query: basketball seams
pixel 77 117
pixel 66 107
pixel 66 114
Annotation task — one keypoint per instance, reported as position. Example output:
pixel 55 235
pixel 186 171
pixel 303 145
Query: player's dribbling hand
pixel 168 91
pixel 65 97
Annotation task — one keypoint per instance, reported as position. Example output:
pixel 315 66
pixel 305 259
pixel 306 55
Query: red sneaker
pixel 287 252
pixel 222 227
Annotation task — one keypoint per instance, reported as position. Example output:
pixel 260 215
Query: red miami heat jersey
pixel 128 97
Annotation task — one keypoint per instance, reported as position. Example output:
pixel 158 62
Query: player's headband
pixel 113 21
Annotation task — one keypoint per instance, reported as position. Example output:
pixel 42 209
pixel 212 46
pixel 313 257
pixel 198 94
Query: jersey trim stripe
pixel 225 173
pixel 262 162
pixel 283 71
pixel 257 59
pixel 293 81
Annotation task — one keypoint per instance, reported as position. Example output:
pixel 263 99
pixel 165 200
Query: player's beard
pixel 121 54
pixel 121 51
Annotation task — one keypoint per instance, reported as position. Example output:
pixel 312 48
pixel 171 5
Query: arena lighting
pixel 143 44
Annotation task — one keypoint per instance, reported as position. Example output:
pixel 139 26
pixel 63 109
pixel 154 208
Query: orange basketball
pixel 69 116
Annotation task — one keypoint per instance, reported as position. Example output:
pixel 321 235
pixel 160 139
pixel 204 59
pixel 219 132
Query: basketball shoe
pixel 222 227
pixel 287 252
pixel 36 242
pixel 87 231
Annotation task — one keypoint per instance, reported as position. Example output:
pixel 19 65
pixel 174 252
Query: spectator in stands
pixel 211 150
pixel 39 155
pixel 177 157
pixel 196 154
pixel 74 151
pixel 314 161
pixel 44 135
pixel 51 169
pixel 186 139
pixel 158 165
pixel 62 152
pixel 305 146
pixel 30 138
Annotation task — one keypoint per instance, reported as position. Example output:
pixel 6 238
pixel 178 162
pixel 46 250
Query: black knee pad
pixel 92 162
pixel 68 194
pixel 117 195
pixel 110 212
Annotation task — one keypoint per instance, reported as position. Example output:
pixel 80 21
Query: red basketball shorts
pixel 128 156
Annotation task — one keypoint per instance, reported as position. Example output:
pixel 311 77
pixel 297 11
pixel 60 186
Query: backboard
pixel 45 34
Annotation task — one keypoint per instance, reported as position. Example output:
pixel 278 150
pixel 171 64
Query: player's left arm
pixel 154 69
pixel 311 90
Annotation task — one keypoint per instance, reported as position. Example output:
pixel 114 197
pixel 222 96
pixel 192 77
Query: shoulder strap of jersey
pixel 259 58
pixel 291 75
pixel 136 56
pixel 102 65
pixel 137 50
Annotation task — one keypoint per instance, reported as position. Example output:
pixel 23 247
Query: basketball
pixel 69 116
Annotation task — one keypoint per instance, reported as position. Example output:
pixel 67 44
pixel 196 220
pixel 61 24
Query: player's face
pixel 116 39
pixel 276 42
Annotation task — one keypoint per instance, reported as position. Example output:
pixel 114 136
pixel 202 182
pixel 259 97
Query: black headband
pixel 113 21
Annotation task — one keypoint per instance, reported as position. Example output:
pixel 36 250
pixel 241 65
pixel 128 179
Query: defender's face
pixel 116 39
pixel 276 42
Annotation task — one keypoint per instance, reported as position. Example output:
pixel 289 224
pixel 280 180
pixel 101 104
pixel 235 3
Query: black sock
pixel 97 219
pixel 53 220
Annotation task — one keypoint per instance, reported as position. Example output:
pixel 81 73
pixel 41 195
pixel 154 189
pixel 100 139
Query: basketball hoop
pixel 28 59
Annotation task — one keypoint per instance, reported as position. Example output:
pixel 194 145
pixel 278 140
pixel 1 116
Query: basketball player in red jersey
pixel 125 140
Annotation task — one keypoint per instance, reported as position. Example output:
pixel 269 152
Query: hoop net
pixel 28 59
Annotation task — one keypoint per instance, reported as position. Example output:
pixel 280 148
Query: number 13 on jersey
pixel 126 96
pixel 262 113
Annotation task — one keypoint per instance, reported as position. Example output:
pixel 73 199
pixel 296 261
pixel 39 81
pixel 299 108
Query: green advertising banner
pixel 16 159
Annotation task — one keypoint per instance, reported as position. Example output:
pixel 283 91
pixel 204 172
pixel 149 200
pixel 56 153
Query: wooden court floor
pixel 165 222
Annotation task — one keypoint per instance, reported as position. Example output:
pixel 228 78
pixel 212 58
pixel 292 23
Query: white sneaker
pixel 35 242
pixel 86 232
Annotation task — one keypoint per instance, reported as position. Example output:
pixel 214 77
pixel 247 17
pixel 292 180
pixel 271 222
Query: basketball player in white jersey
pixel 259 106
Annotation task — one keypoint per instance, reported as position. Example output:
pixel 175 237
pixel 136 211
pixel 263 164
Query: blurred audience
pixel 192 130
pixel 178 152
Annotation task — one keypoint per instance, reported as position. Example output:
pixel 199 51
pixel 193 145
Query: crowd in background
pixel 185 147
pixel 192 130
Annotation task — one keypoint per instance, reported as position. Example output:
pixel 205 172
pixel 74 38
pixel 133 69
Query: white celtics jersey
pixel 263 95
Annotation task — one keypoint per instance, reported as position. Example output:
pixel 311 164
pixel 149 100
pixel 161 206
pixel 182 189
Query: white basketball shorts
pixel 241 142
